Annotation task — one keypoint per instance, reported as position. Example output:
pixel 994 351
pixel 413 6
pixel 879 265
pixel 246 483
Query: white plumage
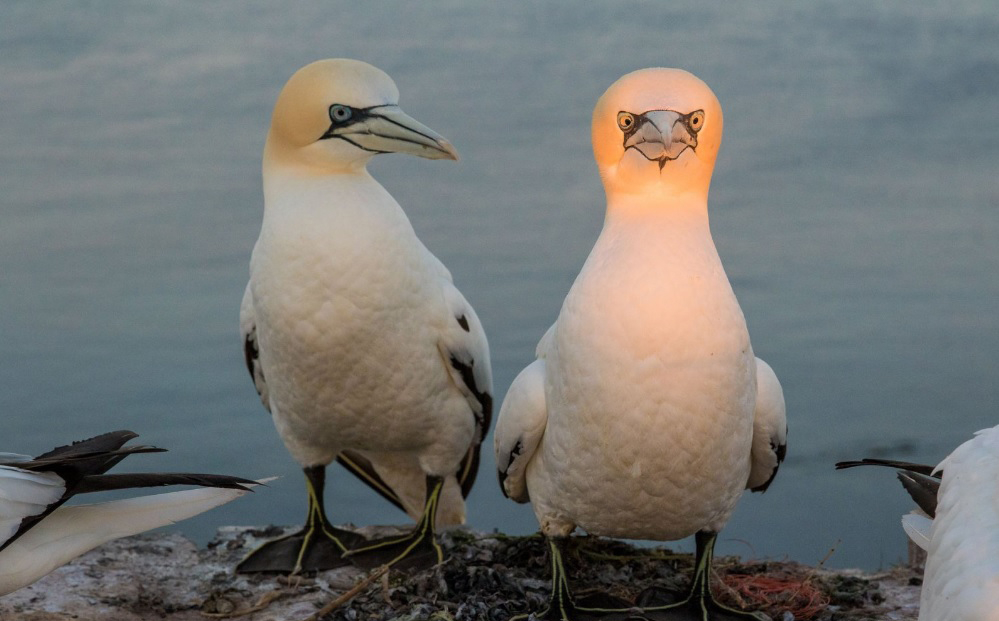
pixel 25 494
pixel 359 343
pixel 646 413
pixel 71 531
pixel 961 579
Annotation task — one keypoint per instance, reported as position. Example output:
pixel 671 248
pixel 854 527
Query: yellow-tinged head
pixel 657 131
pixel 335 114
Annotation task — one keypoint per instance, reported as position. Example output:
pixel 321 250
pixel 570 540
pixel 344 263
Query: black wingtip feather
pixel 887 463
pixel 82 465
pixel 108 482
pixel 103 443
pixel 781 452
pixel 922 489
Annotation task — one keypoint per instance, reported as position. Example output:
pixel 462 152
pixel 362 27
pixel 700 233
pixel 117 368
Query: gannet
pixel 38 534
pixel 646 413
pixel 957 523
pixel 359 344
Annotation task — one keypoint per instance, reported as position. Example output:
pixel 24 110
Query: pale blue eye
pixel 340 113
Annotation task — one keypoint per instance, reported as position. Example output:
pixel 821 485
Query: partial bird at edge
pixel 38 534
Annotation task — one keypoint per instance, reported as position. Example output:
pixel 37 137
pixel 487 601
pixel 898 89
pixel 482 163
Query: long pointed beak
pixel 388 129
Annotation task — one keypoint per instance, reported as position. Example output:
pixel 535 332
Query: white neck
pixel 336 216
pixel 658 208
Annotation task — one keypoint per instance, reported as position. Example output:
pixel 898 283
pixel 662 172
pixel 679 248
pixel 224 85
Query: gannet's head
pixel 336 114
pixel 657 130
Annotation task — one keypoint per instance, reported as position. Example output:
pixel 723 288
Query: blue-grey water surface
pixel 854 204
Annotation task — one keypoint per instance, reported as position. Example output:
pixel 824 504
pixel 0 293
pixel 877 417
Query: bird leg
pixel 318 546
pixel 699 605
pixel 417 550
pixel 563 607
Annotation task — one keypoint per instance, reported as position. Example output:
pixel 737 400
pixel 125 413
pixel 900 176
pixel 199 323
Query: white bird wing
pixel 71 531
pixel 919 527
pixel 519 428
pixel 769 429
pixel 251 349
pixel 464 354
pixel 24 493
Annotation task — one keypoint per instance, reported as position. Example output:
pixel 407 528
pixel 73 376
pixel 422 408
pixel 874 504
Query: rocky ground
pixel 485 577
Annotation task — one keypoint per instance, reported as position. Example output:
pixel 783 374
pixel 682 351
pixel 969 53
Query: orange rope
pixel 799 597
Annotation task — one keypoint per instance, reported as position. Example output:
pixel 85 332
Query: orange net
pixel 775 595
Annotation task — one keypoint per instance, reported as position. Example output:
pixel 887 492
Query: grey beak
pixel 387 129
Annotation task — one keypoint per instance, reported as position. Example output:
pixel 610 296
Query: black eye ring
pixel 625 120
pixel 340 113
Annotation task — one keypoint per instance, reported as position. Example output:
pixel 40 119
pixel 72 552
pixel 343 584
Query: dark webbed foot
pixel 417 550
pixel 658 604
pixel 562 606
pixel 310 549
pixel 317 547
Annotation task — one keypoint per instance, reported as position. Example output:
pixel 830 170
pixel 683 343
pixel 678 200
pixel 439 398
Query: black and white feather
pixel 957 523
pixel 38 533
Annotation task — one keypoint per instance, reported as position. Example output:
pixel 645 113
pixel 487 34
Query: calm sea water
pixel 855 205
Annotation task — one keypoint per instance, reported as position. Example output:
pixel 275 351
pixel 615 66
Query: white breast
pixel 651 388
pixel 349 310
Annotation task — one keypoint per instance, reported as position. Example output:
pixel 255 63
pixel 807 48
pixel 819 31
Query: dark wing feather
pixel 251 354
pixel 108 482
pixel 75 462
pixel 82 466
pixel 921 481
pixel 922 489
pixel 87 457
pixel 103 443
pixel 780 450
pixel 469 466
pixel 888 463
pixel 361 467
pixel 251 347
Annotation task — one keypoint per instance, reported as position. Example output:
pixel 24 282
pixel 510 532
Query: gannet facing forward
pixel 38 534
pixel 359 344
pixel 646 413
pixel 958 526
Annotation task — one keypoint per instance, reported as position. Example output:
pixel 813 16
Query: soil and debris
pixel 488 577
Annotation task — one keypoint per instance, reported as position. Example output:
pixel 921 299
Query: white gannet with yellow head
pixel 359 344
pixel 646 414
